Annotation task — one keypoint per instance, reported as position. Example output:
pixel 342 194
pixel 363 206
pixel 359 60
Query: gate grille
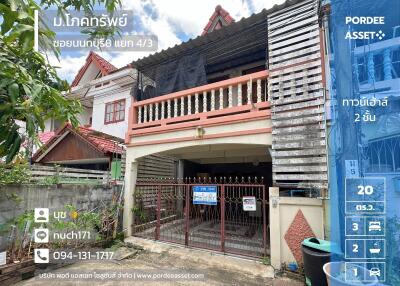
pixel 165 210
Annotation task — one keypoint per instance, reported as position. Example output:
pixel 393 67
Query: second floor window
pixel 115 111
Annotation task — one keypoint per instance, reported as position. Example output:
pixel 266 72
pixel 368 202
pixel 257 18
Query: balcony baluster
pixel 258 90
pixel 189 105
pixel 212 99
pixel 175 107
pixel 240 94
pixel 196 103
pixel 249 91
pixel 139 114
pixel 221 98
pixel 387 64
pixel 151 112
pixel 230 96
pixel 169 108
pixel 182 106
pixel 204 101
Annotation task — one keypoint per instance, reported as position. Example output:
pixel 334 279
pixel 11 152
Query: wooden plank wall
pixel 68 175
pixel 295 90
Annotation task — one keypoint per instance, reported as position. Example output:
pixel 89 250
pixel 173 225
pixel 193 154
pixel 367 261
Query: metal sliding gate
pixel 223 215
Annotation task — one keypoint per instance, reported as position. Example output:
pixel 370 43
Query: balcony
pixel 242 98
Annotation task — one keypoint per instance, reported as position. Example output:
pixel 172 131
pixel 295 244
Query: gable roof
pixel 220 18
pixel 103 65
pixel 147 63
pixel 102 142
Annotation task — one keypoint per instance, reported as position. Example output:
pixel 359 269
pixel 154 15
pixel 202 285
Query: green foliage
pixel 51 180
pixel 22 219
pixel 30 89
pixel 14 174
pixel 85 220
pixel 19 222
pixel 139 213
pixel 266 260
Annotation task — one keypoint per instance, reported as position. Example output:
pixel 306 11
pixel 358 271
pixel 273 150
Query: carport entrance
pixel 226 214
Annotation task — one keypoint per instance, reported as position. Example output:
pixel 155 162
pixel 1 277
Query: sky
pixel 173 21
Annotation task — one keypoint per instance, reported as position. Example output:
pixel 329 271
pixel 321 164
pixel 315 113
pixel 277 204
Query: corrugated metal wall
pixel 153 166
pixel 157 166
pixel 296 93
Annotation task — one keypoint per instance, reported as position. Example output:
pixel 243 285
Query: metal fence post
pixel 222 218
pixel 158 212
pixel 187 213
pixel 264 220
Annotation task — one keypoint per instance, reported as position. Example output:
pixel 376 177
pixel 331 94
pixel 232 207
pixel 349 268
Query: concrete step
pixel 209 258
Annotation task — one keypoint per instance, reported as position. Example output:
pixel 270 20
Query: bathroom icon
pixel 375 249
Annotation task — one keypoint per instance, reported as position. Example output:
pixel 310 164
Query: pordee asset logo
pixel 364 35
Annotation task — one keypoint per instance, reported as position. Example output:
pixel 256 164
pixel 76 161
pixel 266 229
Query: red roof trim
pixel 218 13
pixel 104 66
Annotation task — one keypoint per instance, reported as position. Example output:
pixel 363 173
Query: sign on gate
pixel 249 203
pixel 204 195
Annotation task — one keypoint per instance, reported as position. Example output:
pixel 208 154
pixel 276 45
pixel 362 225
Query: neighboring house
pixel 80 148
pixel 105 94
pixel 378 74
pixel 244 99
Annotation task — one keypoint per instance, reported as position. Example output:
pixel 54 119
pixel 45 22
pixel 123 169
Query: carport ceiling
pixel 222 153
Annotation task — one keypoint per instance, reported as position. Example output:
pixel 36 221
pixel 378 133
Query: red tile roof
pixel 102 142
pixel 104 66
pixel 44 137
pixel 215 22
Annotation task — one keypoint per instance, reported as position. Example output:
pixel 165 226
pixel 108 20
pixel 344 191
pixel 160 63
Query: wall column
pixel 275 230
pixel 130 184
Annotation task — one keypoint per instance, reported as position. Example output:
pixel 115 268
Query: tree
pixel 30 89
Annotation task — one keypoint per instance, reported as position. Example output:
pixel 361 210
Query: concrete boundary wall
pixel 291 220
pixel 16 199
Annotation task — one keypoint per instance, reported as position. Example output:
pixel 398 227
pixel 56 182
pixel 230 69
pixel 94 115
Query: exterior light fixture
pixel 200 132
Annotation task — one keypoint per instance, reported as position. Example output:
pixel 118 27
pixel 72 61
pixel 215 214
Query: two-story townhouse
pixel 242 107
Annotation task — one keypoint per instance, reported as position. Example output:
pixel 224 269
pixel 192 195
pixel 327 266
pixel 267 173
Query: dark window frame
pixel 116 113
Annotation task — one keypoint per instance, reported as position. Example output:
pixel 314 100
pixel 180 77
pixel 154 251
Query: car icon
pixel 375 271
pixel 374 226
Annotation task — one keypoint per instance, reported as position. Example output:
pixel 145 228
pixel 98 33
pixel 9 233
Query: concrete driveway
pixel 163 264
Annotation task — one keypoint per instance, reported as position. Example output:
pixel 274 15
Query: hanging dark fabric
pixel 180 74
